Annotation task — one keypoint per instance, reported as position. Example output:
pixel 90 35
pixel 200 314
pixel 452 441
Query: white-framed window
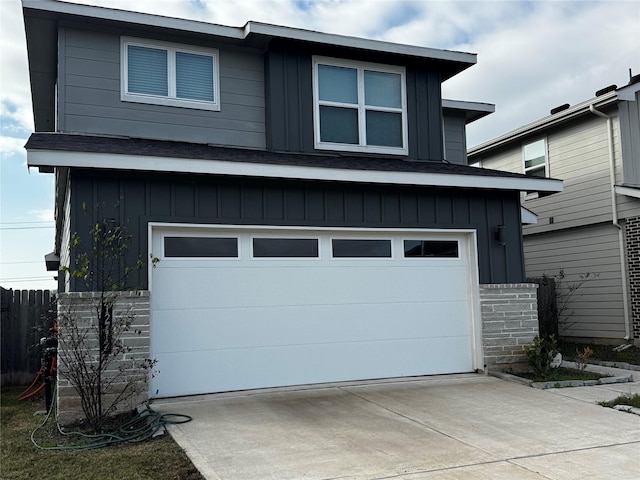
pixel 359 106
pixel 163 73
pixel 535 159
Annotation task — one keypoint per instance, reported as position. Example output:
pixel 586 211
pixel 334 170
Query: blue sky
pixel 532 56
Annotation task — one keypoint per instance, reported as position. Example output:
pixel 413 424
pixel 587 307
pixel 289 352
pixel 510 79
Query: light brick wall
pixel 632 232
pixel 82 305
pixel 509 321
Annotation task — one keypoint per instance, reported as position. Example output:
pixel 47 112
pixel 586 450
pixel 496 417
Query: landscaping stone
pixel 560 384
pixel 622 365
pixel 608 380
pixel 627 408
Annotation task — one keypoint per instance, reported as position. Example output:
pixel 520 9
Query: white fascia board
pixel 104 13
pixel 56 158
pixel 360 43
pixel 628 191
pixel 543 123
pixel 464 105
pixel 473 110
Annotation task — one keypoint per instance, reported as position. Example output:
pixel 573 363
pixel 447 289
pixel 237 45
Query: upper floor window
pixel 535 159
pixel 359 106
pixel 169 74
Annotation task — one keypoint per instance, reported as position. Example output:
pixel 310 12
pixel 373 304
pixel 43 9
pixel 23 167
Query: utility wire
pixel 26 279
pixel 23 223
pixel 16 263
pixel 24 228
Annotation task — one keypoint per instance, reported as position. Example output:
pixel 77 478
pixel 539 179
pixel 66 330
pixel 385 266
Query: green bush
pixel 540 353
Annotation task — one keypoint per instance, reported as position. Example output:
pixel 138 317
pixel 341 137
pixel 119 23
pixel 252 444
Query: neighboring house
pixel 593 226
pixel 307 197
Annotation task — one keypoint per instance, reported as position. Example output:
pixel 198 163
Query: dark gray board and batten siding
pixel 289 87
pixel 135 199
pixel 89 100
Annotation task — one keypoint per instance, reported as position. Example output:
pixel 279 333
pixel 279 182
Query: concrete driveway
pixel 446 427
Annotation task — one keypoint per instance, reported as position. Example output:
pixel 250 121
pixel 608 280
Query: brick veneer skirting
pixel 632 233
pixel 134 305
pixel 509 321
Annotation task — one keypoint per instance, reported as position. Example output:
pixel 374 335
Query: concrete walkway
pixel 602 393
pixel 447 427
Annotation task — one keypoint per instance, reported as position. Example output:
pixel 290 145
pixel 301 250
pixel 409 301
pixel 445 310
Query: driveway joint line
pixel 512 460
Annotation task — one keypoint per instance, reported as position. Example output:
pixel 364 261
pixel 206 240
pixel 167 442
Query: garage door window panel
pixel 353 248
pixel 431 249
pixel 285 247
pixel 200 247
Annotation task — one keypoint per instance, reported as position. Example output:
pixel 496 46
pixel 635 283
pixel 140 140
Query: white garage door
pixel 236 309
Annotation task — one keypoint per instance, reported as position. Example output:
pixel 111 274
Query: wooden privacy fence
pixel 27 316
pixel 547 308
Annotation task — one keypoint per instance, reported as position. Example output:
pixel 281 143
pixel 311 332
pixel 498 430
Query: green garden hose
pixel 140 428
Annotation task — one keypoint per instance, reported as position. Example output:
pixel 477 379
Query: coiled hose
pixel 140 428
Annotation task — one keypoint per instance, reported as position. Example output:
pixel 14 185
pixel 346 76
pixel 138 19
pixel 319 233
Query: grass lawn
pixel 156 459
pixel 604 353
pixel 632 401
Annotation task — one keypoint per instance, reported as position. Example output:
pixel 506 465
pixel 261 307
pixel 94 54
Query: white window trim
pixel 533 195
pixel 360 67
pixel 171 99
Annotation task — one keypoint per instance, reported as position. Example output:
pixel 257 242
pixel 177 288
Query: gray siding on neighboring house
pixel 136 199
pixel 596 310
pixel 630 139
pixel 628 206
pixel 89 96
pixel 579 156
pixel 455 141
pixel 289 89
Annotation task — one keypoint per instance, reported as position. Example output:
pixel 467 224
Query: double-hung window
pixel 169 74
pixel 534 156
pixel 359 106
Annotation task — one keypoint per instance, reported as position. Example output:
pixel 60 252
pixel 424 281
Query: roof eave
pixel 60 158
pixel 473 110
pixel 543 124
pixel 453 62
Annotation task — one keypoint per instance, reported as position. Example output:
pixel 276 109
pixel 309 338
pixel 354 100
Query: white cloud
pixel 42 215
pixel 12 146
pixel 559 52
pixel 15 95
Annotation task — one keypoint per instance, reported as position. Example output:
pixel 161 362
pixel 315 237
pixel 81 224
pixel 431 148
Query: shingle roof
pixel 168 149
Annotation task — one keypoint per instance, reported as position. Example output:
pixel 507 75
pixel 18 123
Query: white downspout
pixel 614 211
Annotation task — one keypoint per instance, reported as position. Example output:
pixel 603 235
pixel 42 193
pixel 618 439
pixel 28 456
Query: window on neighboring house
pixel 169 74
pixel 359 106
pixel 535 159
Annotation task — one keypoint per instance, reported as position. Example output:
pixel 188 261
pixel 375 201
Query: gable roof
pixel 47 150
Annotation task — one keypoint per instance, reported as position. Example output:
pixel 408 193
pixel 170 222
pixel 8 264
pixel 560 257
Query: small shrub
pixel 540 353
pixel 582 358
